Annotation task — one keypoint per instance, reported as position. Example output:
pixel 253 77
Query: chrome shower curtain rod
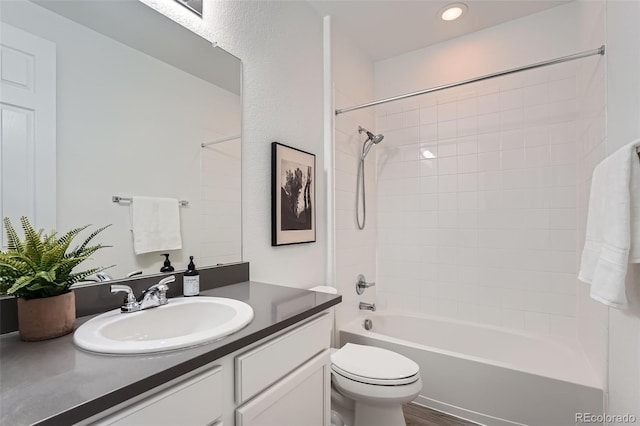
pixel 587 53
pixel 230 138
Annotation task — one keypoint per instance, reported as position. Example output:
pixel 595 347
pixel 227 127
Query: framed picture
pixel 293 195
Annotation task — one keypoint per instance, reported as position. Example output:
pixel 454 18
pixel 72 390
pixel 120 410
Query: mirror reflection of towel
pixel 156 224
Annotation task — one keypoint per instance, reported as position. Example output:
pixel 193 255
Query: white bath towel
pixel 613 226
pixel 155 224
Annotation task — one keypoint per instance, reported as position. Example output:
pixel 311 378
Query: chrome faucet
pixel 367 306
pixel 156 295
pixel 362 284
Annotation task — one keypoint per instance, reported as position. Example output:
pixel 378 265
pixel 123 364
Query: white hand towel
pixel 156 224
pixel 613 226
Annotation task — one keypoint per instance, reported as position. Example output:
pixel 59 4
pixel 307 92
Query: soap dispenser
pixel 167 264
pixel 191 282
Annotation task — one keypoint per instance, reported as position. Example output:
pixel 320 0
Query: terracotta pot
pixel 47 317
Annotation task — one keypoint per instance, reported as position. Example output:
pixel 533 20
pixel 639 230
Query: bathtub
pixel 489 375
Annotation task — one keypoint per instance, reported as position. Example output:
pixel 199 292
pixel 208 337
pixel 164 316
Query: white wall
pixel 355 250
pixel 623 126
pixel 280 44
pixel 129 124
pixel 486 231
pixel 539 37
pixel 610 99
pixel 592 319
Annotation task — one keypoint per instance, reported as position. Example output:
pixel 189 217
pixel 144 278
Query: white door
pixel 27 128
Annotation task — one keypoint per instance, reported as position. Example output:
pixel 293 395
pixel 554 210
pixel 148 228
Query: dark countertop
pixel 53 382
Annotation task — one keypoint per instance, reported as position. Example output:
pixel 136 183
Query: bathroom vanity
pixel 275 370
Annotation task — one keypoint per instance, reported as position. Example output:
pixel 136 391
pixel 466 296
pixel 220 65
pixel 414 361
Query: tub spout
pixel 368 306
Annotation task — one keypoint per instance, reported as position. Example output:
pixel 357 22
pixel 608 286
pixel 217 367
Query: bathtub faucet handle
pixel 362 284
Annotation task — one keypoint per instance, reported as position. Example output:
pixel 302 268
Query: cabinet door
pixel 302 398
pixel 196 401
pixel 298 346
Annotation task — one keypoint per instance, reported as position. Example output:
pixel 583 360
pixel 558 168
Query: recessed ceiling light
pixel 453 11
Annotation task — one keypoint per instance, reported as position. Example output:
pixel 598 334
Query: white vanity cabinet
pixel 286 380
pixel 281 380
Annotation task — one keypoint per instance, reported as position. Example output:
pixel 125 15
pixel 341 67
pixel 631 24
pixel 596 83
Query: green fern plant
pixel 42 265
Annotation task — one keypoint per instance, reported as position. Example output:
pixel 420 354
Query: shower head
pixel 371 140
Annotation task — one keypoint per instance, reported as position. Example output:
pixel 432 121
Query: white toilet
pixel 370 384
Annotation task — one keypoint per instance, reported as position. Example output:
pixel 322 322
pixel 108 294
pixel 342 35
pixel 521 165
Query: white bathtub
pixel 486 374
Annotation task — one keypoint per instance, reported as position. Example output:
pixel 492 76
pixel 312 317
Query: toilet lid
pixel 370 362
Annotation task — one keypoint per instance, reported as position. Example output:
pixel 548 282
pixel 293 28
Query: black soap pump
pixel 191 281
pixel 167 264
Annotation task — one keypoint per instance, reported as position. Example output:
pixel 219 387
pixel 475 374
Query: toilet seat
pixel 374 366
pixel 373 381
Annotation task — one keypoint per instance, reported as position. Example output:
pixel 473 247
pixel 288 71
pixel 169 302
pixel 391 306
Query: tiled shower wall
pixel 477 202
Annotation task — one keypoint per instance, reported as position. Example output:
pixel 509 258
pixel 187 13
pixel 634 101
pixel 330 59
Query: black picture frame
pixel 293 195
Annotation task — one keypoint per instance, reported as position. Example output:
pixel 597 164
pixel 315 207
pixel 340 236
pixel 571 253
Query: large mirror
pixel 141 107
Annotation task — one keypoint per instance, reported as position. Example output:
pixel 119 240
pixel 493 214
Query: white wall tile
pixel 511 99
pixel 411 118
pixel 447 165
pixel 536 115
pixel 536 95
pixel 447 112
pixel 492 218
pixel 489 161
pixel 562 90
pixel 447 148
pixel 394 121
pixel 467 181
pixel 467 145
pixel 467 107
pixel 489 142
pixel 428 132
pixel 467 126
pixel 511 118
pixel 489 103
pixel 428 115
pixel 448 183
pixel 448 201
pixel 428 184
pixel 447 129
pixel 467 163
pixel 488 123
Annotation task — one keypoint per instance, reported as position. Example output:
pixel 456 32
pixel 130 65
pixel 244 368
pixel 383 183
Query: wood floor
pixel 416 415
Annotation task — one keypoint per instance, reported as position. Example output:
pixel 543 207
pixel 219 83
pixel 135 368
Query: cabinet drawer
pixel 264 365
pixel 196 401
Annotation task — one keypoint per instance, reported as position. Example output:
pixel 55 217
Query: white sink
pixel 181 323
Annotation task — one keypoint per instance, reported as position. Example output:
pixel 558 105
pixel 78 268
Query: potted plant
pixel 39 272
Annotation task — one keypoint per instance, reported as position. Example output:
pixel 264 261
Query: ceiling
pixel 387 28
